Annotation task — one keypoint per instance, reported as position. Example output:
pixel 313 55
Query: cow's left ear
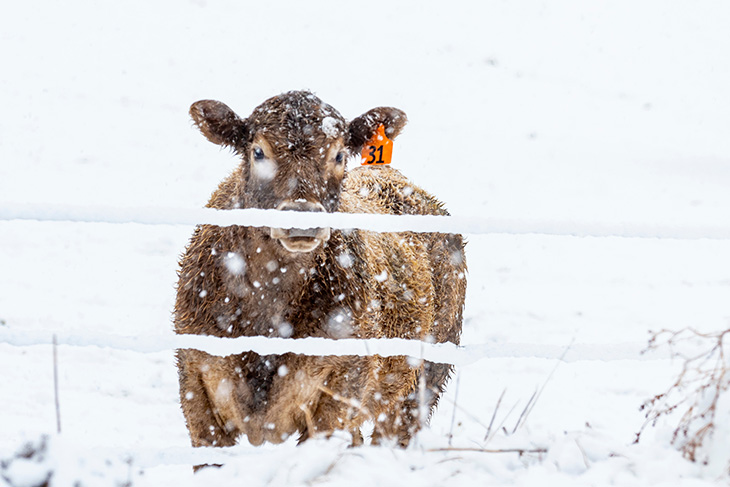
pixel 364 127
pixel 220 124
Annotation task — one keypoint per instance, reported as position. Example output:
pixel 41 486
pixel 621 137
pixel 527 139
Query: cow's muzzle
pixel 300 239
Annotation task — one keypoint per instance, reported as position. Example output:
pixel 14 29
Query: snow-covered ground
pixel 607 112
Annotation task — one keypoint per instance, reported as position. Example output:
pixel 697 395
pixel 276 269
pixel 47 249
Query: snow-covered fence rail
pixel 379 223
pixel 435 352
pixel 440 353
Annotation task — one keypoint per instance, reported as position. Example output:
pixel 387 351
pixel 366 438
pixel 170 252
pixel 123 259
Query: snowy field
pixel 583 113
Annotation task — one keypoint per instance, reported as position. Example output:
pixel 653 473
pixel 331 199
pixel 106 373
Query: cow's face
pixel 294 149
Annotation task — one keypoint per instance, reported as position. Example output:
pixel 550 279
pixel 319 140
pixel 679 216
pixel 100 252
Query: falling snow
pixel 345 259
pixel 285 329
pixel 539 112
pixel 339 323
pixel 235 264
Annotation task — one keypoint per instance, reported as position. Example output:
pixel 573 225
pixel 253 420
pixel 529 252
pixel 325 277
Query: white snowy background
pixel 606 112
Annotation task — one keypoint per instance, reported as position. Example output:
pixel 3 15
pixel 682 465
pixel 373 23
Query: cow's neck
pixel 273 280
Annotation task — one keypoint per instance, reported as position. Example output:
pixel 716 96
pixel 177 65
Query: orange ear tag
pixel 378 151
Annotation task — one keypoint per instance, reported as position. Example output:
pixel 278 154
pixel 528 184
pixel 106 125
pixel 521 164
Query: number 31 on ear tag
pixel 378 150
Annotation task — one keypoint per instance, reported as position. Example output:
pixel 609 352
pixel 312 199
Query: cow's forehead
pixel 298 118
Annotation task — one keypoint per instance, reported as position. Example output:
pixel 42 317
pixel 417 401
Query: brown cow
pixel 240 281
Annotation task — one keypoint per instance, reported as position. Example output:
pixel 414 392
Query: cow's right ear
pixel 365 126
pixel 219 124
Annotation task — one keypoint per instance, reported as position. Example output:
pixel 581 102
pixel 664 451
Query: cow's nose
pixel 300 239
pixel 300 205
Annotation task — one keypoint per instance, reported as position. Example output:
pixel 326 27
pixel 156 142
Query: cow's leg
pixel 204 424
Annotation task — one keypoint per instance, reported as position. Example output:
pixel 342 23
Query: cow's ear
pixel 364 127
pixel 220 124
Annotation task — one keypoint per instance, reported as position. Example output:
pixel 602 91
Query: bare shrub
pixel 697 391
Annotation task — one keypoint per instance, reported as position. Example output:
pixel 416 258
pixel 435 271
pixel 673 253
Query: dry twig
pixel 55 384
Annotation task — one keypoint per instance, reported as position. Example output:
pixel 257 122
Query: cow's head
pixel 294 148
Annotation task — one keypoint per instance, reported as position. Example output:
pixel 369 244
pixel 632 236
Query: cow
pixel 239 281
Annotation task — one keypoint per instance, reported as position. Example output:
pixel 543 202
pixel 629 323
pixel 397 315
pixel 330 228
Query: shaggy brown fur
pixel 241 281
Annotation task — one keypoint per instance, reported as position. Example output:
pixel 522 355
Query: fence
pixel 442 353
pixel 378 223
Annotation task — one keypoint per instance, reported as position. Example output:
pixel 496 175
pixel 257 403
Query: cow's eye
pixel 258 154
pixel 340 157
